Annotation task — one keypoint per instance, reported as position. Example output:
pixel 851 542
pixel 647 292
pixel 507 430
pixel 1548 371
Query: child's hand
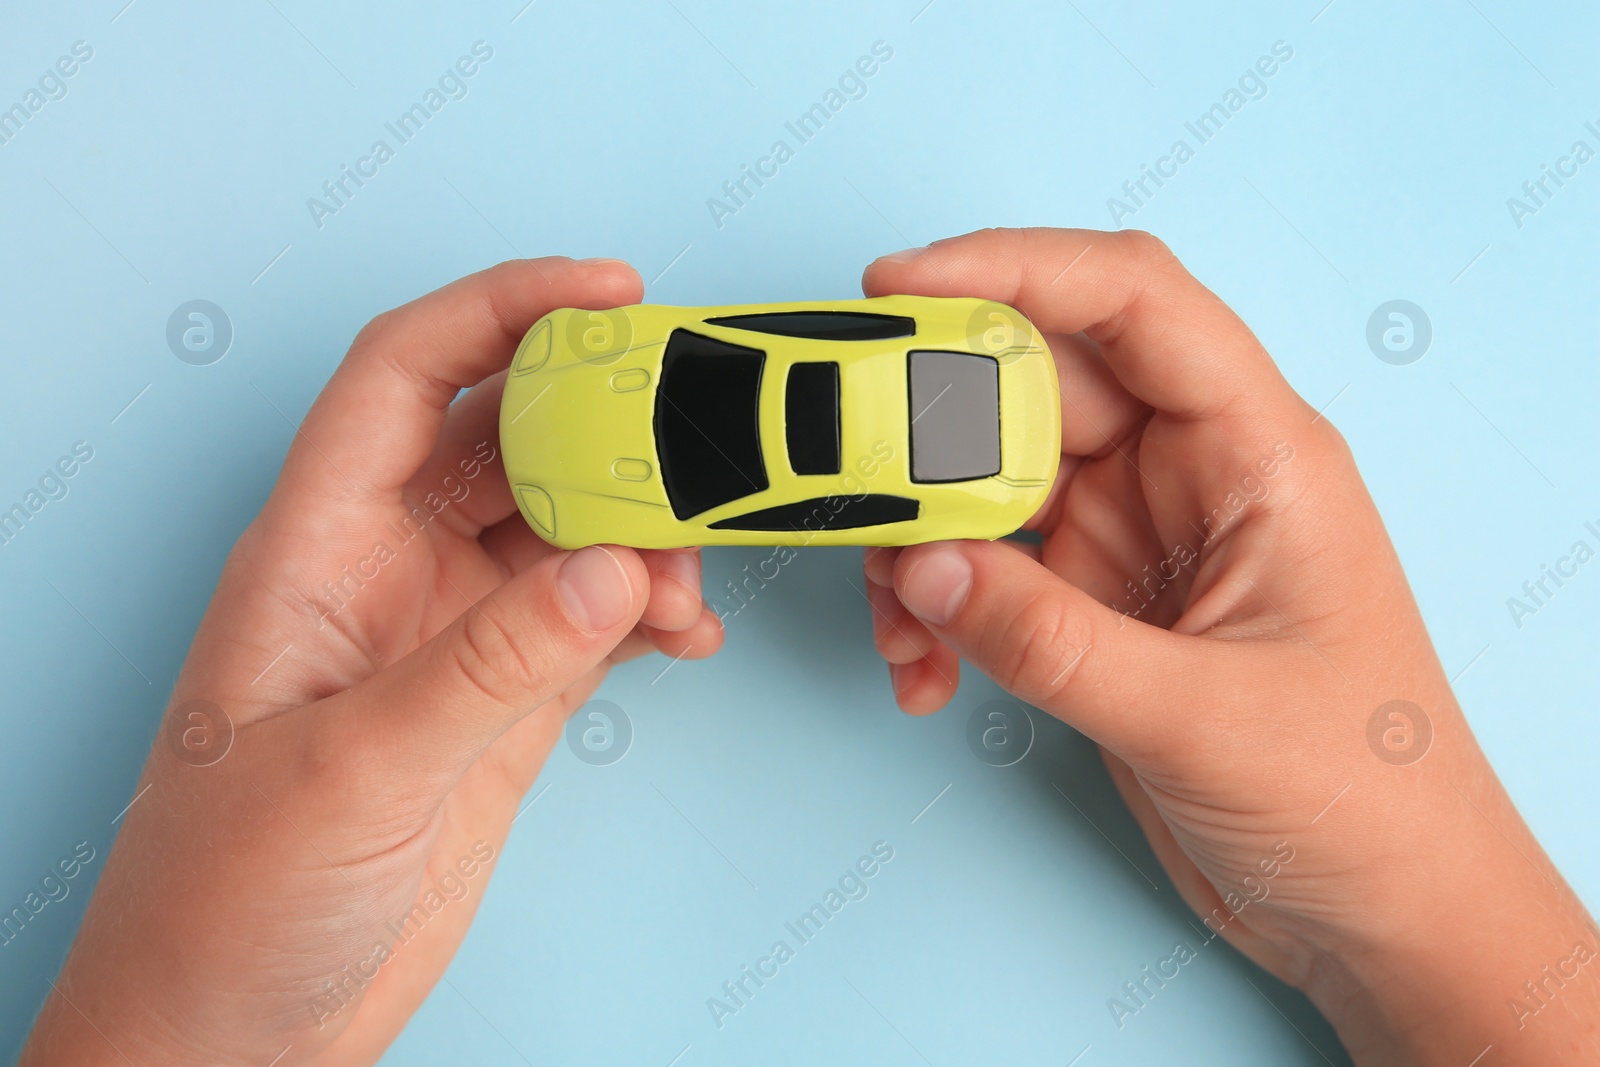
pixel 1217 604
pixel 396 652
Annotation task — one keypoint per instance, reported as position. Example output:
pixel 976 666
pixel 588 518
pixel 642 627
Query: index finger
pixel 377 421
pixel 1169 340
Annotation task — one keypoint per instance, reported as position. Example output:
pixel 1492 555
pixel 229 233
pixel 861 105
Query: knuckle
pixel 1330 442
pixel 370 334
pixel 1041 649
pixel 1318 446
pixel 344 765
pixel 491 658
pixel 1148 250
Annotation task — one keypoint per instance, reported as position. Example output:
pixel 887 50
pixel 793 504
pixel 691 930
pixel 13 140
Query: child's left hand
pixel 396 653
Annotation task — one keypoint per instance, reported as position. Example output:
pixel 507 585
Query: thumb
pixel 1118 680
pixel 434 712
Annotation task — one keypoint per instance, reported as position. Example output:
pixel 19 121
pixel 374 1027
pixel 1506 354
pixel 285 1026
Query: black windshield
pixel 955 416
pixel 706 421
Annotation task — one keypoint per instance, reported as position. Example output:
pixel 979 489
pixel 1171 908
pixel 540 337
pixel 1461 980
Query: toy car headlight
pixel 538 509
pixel 534 350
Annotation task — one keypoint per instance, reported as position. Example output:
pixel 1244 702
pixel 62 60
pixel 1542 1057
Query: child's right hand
pixel 1216 603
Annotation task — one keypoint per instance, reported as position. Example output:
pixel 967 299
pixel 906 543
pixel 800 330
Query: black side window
pixel 708 433
pixel 823 325
pixel 811 418
pixel 827 513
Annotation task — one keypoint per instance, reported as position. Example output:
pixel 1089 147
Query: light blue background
pixel 1377 167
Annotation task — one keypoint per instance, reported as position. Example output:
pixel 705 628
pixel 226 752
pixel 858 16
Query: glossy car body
pixel 886 421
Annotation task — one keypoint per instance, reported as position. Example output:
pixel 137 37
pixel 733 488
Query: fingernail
pixel 903 256
pixel 594 588
pixel 683 567
pixel 599 261
pixel 901 675
pixel 937 585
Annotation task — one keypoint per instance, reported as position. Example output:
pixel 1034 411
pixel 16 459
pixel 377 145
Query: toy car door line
pixel 885 421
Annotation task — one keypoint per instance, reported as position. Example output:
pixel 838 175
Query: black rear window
pixel 823 325
pixel 708 434
pixel 811 418
pixel 827 513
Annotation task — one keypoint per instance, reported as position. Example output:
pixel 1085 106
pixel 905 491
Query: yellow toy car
pixel 888 421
